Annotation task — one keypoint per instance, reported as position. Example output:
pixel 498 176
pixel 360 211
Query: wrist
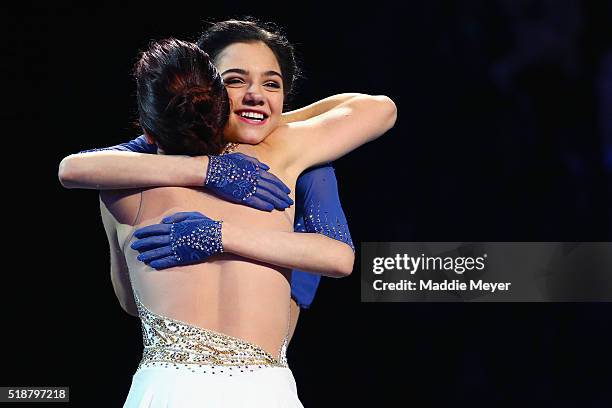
pixel 198 171
pixel 228 236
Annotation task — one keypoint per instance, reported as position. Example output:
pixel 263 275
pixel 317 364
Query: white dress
pixel 188 366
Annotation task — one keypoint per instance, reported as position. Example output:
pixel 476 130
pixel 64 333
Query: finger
pixel 146 244
pixel 164 263
pixel 265 195
pixel 150 256
pixel 258 203
pixel 150 230
pixel 182 216
pixel 275 191
pixel 265 175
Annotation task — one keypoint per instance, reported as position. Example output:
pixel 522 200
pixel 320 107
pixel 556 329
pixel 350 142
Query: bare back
pixel 227 293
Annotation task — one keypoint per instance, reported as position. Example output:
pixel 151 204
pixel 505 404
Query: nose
pixel 253 97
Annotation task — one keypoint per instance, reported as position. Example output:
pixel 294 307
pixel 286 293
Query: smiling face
pixel 252 76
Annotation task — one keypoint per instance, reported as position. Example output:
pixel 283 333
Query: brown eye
pixel 272 84
pixel 233 81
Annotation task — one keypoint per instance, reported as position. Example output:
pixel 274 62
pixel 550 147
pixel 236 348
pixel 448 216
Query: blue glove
pixel 242 179
pixel 182 239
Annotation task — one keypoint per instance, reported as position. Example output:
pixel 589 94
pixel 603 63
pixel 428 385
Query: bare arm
pixel 119 270
pixel 333 134
pixel 119 167
pixel 306 251
pixel 111 170
pixel 316 108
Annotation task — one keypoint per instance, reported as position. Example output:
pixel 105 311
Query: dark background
pixel 504 133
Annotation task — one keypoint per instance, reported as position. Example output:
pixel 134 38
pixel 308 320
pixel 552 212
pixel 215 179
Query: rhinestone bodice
pixel 172 342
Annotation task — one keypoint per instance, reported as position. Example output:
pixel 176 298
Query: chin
pixel 250 136
pixel 251 139
pixel 241 134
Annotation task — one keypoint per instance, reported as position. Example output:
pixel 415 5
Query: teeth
pixel 252 115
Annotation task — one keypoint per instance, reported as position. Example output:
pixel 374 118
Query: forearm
pixel 311 252
pixel 108 170
pixel 337 132
pixel 317 108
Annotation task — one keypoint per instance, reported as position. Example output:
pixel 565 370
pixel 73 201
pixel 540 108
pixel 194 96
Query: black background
pixel 503 127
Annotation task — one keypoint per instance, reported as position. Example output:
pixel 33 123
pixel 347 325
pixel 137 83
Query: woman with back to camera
pixel 318 206
pixel 200 346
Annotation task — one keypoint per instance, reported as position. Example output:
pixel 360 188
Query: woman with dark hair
pixel 248 331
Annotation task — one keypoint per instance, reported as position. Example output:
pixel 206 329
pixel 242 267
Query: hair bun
pixel 182 102
pixel 191 102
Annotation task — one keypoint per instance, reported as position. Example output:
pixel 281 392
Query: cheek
pixel 234 96
pixel 276 104
pixel 273 121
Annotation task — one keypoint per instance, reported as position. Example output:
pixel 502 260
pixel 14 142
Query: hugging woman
pixel 229 313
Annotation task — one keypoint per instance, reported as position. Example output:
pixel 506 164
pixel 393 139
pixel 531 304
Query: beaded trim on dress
pixel 173 342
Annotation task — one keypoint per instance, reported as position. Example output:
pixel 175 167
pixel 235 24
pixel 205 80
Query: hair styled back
pixel 224 33
pixel 182 102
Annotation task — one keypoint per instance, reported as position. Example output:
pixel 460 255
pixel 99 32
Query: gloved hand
pixel 183 238
pixel 243 179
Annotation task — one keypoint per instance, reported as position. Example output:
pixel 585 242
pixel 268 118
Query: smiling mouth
pixel 253 118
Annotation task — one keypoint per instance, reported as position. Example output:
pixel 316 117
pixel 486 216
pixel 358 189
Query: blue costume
pixel 318 210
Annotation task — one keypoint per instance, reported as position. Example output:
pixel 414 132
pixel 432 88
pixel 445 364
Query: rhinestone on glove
pixel 233 175
pixel 196 240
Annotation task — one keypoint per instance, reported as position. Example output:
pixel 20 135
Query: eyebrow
pixel 245 72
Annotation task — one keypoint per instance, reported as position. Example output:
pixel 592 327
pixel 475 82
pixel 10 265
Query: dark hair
pixel 224 33
pixel 182 102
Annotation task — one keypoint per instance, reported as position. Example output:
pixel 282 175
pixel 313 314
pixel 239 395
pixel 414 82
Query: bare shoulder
pixel 279 138
pixel 122 205
pixel 281 147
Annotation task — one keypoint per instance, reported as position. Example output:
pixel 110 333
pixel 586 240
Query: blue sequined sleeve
pixel 138 145
pixel 317 210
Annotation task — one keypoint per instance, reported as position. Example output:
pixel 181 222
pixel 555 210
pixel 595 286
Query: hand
pixel 181 239
pixel 243 179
